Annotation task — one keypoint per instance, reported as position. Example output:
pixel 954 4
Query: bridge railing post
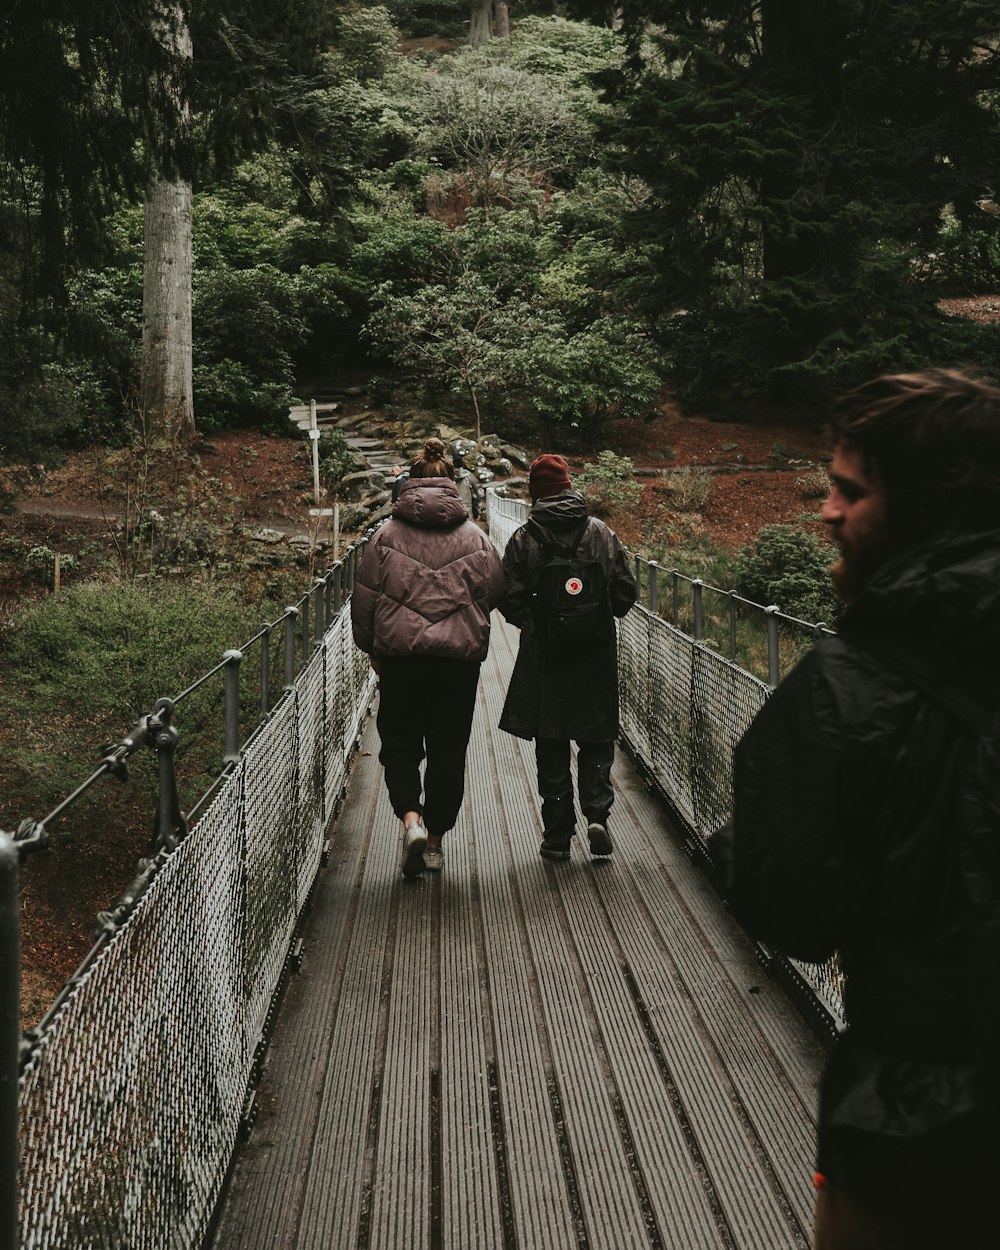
pixel 291 616
pixel 319 614
pixel 306 640
pixel 10 1036
pixel 338 586
pixel 654 588
pixel 699 614
pixel 232 687
pixel 773 660
pixel 733 596
pixel 675 596
pixel 265 672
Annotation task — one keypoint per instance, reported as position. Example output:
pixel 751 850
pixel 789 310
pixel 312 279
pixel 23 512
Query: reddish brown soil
pixel 755 467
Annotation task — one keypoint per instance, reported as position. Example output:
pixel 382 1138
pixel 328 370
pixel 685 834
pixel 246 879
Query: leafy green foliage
pixel 609 484
pixel 336 458
pixel 799 160
pixel 790 567
pixel 689 488
pixel 87 101
pixel 477 310
pixel 767 202
pixel 114 649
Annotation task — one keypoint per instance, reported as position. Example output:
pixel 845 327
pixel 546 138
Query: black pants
pixel 555 783
pixel 426 704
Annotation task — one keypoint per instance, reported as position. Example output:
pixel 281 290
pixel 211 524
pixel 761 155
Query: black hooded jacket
pixel 847 835
pixel 566 699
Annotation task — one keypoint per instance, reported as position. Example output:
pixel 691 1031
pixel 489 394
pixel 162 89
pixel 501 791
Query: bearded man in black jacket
pixel 866 818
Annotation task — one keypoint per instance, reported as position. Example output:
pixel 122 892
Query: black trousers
pixel 426 704
pixel 555 783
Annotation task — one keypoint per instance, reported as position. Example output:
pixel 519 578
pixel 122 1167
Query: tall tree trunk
pixel 166 309
pixel 167 400
pixel 480 26
pixel 502 15
pixel 475 408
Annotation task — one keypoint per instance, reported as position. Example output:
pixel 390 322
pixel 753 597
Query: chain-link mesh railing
pixel 135 1090
pixel 685 703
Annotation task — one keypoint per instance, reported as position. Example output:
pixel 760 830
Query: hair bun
pixel 433 449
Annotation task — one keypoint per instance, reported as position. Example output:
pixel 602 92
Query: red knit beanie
pixel 548 475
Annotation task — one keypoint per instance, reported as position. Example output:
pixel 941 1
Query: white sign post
pixel 314 435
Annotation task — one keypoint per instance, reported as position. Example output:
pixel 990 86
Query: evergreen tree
pixel 104 102
pixel 84 106
pixel 82 103
pixel 800 159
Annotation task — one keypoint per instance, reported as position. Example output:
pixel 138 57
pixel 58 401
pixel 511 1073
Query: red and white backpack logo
pixel 574 585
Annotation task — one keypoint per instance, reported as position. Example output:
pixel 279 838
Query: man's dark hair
pixel 933 440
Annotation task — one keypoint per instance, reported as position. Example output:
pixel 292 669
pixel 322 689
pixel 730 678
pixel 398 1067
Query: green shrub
pixel 790 567
pixel 689 488
pixel 227 394
pixel 94 658
pixel 815 484
pixel 336 459
pixel 609 483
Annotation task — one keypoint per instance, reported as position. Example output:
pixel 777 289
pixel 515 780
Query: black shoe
pixel 600 842
pixel 555 847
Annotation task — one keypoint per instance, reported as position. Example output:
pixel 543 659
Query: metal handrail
pixel 153 730
pixel 666 603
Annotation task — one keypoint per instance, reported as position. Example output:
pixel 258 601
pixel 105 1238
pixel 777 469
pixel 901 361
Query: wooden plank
pixel 520 1053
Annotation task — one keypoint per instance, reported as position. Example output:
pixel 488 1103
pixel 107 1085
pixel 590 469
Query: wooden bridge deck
pixel 519 1053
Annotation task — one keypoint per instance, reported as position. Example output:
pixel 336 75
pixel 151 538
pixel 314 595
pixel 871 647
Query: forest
pixel 550 222
pixel 538 215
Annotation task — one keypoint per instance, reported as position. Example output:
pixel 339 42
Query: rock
pixel 380 513
pixel 266 535
pixel 520 458
pixel 356 485
pixel 464 447
pixel 352 519
pixel 448 435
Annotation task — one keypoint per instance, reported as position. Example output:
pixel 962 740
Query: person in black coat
pixel 866 818
pixel 556 699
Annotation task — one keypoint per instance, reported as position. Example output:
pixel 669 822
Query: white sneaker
pixel 434 858
pixel 414 841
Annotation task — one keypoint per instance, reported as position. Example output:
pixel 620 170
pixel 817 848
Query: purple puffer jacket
pixel 428 579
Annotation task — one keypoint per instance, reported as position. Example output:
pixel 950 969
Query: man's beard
pixel 855 568
pixel 843 574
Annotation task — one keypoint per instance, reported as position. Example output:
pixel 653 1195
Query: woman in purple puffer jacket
pixel 421 608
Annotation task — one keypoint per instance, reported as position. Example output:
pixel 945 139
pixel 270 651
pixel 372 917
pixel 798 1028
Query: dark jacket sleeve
pixel 515 604
pixel 808 783
pixel 364 596
pixel 494 575
pixel 622 585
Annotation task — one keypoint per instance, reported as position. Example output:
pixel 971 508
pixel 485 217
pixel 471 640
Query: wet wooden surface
pixel 521 1053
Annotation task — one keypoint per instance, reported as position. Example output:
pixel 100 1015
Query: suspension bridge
pixel 278 1041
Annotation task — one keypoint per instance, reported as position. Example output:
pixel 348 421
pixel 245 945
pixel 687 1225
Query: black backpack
pixel 570 603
